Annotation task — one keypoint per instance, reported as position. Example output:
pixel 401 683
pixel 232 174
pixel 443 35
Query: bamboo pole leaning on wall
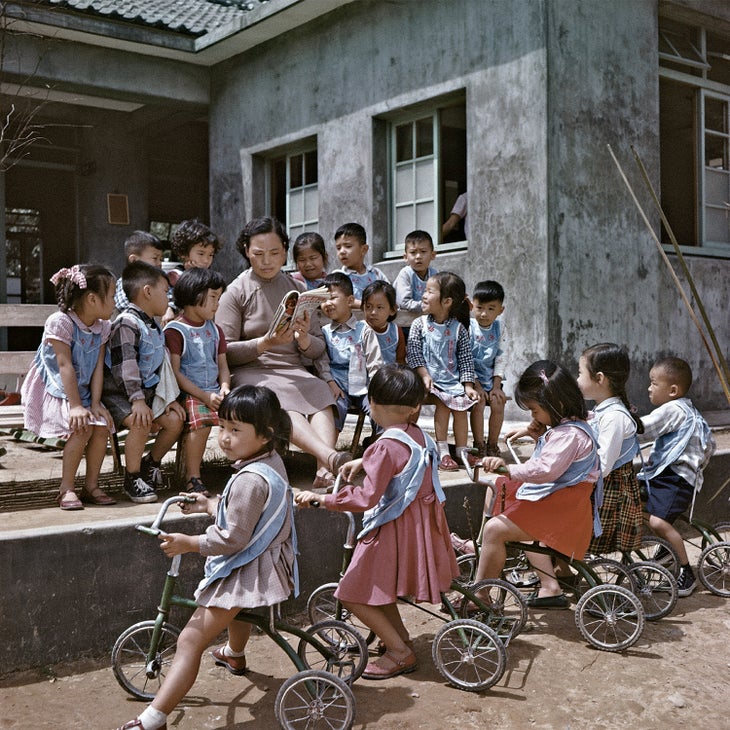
pixel 715 356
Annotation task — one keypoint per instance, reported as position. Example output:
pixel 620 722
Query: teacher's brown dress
pixel 244 314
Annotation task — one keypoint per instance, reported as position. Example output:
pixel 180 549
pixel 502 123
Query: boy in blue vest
pixel 352 247
pixel 353 351
pixel 682 449
pixel 134 372
pixel 488 345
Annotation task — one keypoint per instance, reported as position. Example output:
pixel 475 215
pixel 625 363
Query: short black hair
pixel 352 229
pixel 192 286
pixel 257 226
pixel 139 274
pixel 339 280
pixel 259 406
pixel 139 241
pixel 385 287
pixel 678 372
pixel 418 235
pixel 397 385
pixel 488 291
pixel 310 239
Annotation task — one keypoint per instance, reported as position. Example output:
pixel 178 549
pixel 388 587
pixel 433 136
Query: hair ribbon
pixel 74 275
pixel 544 377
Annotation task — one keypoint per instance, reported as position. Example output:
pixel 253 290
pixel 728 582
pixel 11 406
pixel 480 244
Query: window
pixel 24 255
pixel 293 191
pixel 694 100
pixel 427 153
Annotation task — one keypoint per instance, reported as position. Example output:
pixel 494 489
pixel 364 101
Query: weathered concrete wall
pixel 336 77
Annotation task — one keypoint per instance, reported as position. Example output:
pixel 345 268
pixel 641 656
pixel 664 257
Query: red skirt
pixel 563 520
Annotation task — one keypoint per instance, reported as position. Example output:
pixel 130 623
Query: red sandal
pixel 69 504
pixel 448 464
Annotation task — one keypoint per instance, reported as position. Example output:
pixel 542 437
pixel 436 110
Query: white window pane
pixel 425 219
pixel 424 179
pixel 294 231
pixel 717 225
pixel 311 203
pixel 296 208
pixel 717 187
pixel 404 184
pixel 404 223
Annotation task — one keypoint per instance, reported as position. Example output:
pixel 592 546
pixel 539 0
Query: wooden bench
pixel 16 364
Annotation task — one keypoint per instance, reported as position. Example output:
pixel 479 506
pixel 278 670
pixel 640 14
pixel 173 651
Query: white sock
pixel 460 450
pixel 227 651
pixel 443 448
pixel 152 719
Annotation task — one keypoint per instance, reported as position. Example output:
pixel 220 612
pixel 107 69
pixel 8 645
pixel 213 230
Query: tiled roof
pixel 192 17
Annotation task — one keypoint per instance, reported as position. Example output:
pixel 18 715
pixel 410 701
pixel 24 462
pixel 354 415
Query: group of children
pixel 91 376
pixel 404 546
pixel 577 493
pixel 459 357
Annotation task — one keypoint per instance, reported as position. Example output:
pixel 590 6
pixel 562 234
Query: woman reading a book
pixel 258 356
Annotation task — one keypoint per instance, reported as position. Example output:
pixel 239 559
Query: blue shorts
pixel 358 402
pixel 669 495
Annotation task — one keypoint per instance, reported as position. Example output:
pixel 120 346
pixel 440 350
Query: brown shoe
pixel 388 666
pixel 234 664
pixel 98 496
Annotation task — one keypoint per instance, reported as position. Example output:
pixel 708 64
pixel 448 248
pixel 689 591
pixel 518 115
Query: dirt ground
pixel 675 676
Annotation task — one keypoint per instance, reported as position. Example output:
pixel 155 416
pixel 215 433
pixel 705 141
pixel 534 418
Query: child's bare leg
pixel 496 419
pixel 171 426
pixel 665 529
pixel 543 565
pixel 73 452
pixel 497 531
pixel 134 445
pixel 195 443
pixel 378 620
pixel 441 421
pixel 202 628
pixel 393 615
pixel 461 429
pixel 95 453
pixel 476 417
pixel 239 633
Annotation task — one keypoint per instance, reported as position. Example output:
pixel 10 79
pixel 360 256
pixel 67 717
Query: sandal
pixel 448 464
pixel 323 482
pixel 381 648
pixel 72 503
pixel 388 666
pixel 196 486
pixel 98 496
pixel 337 459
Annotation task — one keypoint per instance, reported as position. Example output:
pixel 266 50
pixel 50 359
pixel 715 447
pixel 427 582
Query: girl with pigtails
pixel 62 392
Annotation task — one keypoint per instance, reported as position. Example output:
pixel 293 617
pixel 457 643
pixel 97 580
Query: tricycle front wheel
pixel 139 668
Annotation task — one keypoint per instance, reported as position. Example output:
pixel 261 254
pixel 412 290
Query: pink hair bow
pixel 544 377
pixel 74 275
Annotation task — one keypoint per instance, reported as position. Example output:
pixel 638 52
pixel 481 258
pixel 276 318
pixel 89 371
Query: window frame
pixel 694 76
pixel 300 149
pixel 434 109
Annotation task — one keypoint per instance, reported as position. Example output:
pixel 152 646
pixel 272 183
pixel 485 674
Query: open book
pixel 295 304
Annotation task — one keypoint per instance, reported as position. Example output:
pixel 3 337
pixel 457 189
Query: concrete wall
pixel 70 592
pixel 547 86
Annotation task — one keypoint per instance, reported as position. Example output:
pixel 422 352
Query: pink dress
pixel 45 415
pixel 409 556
